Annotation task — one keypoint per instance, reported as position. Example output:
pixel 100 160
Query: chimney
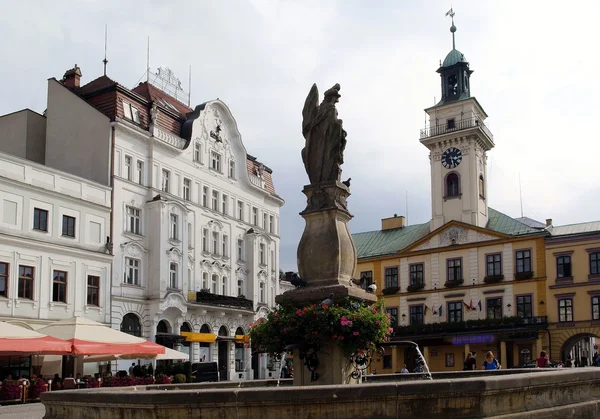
pixel 548 222
pixel 393 222
pixel 72 77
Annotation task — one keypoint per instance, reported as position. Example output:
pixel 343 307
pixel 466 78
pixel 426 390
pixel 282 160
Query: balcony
pixel 459 125
pixel 473 326
pixel 207 298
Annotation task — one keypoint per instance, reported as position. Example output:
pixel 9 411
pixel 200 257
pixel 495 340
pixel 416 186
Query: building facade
pixel 54 261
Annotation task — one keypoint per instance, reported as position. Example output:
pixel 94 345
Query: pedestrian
pixel 470 363
pixel 490 363
pixel 404 370
pixel 131 369
pixel 542 361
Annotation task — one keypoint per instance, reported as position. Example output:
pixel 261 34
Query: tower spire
pixel 105 61
pixel 452 28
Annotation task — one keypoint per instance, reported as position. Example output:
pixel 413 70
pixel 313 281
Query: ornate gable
pixel 454 233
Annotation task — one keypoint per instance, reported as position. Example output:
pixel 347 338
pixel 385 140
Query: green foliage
pixel 179 379
pixel 352 326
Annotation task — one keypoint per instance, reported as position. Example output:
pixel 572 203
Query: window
pixel 165 180
pixel 25 281
pixel 128 168
pixel 261 292
pixel 595 263
pixel 563 266
pixel 416 274
pixel 240 210
pixel 204 281
pixel 225 245
pixel 68 226
pixel 131 325
pixel 450 123
pixel 174 222
pixel 140 172
pixel 565 310
pixel 416 314
pixel 493 264
pixel 393 312
pixel 261 252
pixel 455 312
pixel 4 279
pixel 131 112
pixel 391 277
pixel 265 220
pixel 524 306
pixel 271 224
pixel 272 260
pixel 494 308
pixel 132 271
pixel 93 290
pixel 481 187
pixel 197 152
pixel 450 360
pixel 255 216
pixel 366 279
pixel 133 220
pixel 454 271
pixel 40 219
pixel 173 275
pixel 387 362
pixel 452 185
pixel 232 169
pixel 59 287
pixel 215 161
pixel 215 200
pixel 224 286
pixel 595 308
pixel 190 236
pixel 215 278
pixel 224 200
pixel 240 285
pixel 240 250
pixel 523 258
pixel 205 196
pixel 205 240
pixel 187 187
pixel 215 242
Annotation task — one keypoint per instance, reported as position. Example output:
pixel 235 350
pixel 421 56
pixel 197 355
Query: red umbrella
pixel 18 340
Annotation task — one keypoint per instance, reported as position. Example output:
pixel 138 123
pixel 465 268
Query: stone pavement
pixel 23 411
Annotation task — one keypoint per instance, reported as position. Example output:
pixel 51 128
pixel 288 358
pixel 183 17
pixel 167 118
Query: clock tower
pixel 458 141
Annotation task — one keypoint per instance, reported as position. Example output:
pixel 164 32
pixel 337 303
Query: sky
pixel 536 75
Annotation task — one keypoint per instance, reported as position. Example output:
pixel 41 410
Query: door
pixel 524 354
pixel 223 360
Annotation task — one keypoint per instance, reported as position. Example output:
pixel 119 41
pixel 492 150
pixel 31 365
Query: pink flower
pixel 374 310
pixel 276 314
pixel 377 322
pixel 299 312
pixel 345 322
pixel 391 330
pixel 325 306
pixel 341 338
pixel 355 333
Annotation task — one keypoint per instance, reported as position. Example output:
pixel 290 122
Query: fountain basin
pixel 573 393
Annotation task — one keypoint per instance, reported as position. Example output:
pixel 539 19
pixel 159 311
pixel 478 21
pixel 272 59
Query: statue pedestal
pixel 333 368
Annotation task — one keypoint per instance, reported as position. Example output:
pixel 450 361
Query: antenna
pixel 406 204
pixel 520 195
pixel 190 87
pixel 105 61
pixel 148 61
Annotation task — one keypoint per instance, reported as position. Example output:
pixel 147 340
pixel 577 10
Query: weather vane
pixel 452 28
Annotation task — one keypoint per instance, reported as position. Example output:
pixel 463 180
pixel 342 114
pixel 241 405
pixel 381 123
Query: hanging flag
pixel 471 305
pixel 440 310
pixel 426 310
pixel 466 306
pixel 479 304
pixel 434 310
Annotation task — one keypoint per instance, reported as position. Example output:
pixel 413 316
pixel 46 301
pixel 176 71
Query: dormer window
pixel 215 161
pixel 131 112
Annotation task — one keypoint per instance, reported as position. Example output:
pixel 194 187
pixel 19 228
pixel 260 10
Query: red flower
pixel 325 306
pixel 355 333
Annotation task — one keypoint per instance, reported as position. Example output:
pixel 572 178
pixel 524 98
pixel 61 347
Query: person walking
pixel 542 361
pixel 490 363
pixel 470 363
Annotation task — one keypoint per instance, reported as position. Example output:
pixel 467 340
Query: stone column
pixel 248 364
pixel 194 351
pixel 395 359
pixel 426 354
pixel 467 350
pixel 233 375
pixel 502 356
pixel 538 348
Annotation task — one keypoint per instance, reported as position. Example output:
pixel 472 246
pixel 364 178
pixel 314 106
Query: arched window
pixel 162 327
pixel 185 327
pixel 452 185
pixel 481 187
pixel 224 285
pixel 240 287
pixel 223 331
pixel 131 325
pixel 205 329
pixel 215 278
pixel 261 292
pixel 204 280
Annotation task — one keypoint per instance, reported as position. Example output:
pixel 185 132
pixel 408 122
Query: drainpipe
pixel 111 182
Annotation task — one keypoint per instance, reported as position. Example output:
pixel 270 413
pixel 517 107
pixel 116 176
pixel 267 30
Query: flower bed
pixel 10 391
pixel 352 325
pixel 37 387
pixel 129 381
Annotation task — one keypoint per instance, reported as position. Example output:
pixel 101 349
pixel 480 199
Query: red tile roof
pixel 100 83
pixel 154 94
pixel 253 166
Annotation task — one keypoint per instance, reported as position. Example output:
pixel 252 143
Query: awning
pixel 169 354
pixel 199 337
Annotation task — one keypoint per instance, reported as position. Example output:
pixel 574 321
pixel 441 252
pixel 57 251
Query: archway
pixel 223 353
pixel 239 352
pixel 580 350
pixel 205 346
pixel 131 325
pixel 185 345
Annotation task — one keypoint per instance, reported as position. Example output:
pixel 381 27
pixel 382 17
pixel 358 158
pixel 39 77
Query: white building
pixel 195 223
pixel 54 261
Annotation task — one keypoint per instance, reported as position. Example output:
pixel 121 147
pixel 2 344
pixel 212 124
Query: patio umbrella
pixel 19 340
pixel 169 354
pixel 88 337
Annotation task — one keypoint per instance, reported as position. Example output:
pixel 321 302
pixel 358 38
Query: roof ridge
pixel 574 224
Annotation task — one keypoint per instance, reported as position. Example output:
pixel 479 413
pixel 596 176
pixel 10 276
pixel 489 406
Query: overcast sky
pixel 536 75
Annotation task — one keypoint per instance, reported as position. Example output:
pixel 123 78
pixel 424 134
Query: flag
pixel 479 304
pixel 466 306
pixel 426 310
pixel 434 310
pixel 471 305
pixel 440 310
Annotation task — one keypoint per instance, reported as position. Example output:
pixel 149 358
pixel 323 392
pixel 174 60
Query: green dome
pixel 454 57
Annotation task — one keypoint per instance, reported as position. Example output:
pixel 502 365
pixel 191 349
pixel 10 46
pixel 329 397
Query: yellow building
pixel 472 279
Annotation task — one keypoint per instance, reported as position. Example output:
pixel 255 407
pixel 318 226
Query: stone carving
pixel 454 235
pixel 323 153
pixel 481 237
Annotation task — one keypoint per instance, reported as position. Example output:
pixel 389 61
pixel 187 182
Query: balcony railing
pixel 468 326
pixel 207 298
pixel 459 125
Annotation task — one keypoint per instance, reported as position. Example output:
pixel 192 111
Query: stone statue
pixel 323 153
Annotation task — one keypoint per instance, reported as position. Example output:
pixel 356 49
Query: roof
pixel 100 83
pixel 579 228
pixel 531 222
pixel 454 57
pixel 154 94
pixel 388 242
pixel 254 167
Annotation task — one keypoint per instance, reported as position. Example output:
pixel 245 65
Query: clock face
pixel 451 158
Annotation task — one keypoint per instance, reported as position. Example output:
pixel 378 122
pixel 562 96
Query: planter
pixel 519 276
pixel 415 287
pixel 493 279
pixel 454 284
pixel 390 290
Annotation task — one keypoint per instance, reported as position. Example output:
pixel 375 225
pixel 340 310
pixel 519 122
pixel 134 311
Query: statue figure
pixel 323 153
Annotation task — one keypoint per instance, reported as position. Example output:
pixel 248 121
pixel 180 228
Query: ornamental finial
pixel 452 28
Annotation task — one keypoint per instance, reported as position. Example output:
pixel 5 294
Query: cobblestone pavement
pixel 23 411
